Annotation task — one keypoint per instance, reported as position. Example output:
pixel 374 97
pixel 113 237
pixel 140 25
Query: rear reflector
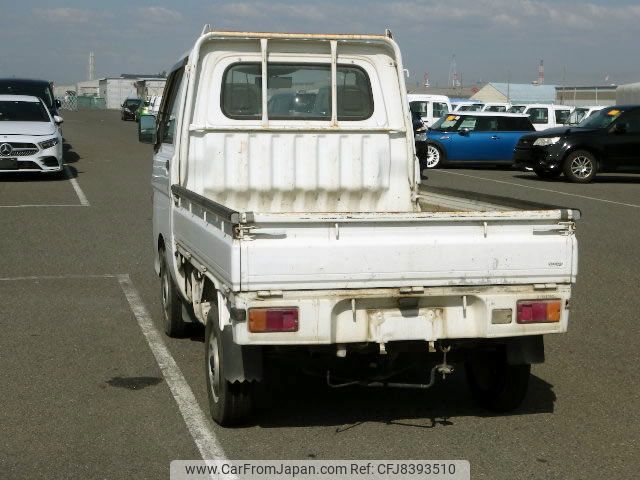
pixel 273 320
pixel 539 311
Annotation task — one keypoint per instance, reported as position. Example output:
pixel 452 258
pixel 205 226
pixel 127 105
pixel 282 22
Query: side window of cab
pixel 169 108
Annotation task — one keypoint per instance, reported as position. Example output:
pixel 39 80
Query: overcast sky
pixel 491 39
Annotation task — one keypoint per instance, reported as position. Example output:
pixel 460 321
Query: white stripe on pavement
pixel 55 277
pixel 586 197
pixel 197 422
pixel 76 186
pixel 37 205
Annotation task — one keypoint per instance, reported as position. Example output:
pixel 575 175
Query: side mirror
pixel 58 119
pixel 147 129
pixel 464 132
pixel 58 103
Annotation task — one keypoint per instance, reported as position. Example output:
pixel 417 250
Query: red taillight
pixel 539 311
pixel 273 320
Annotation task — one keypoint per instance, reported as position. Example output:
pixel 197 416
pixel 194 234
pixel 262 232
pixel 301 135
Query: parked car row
pixel 606 140
pixel 133 107
pixel 30 136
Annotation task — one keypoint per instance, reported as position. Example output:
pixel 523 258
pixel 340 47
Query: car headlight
pixel 48 143
pixel 420 137
pixel 542 142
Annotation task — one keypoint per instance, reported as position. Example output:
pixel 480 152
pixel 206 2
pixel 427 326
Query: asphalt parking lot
pixel 91 390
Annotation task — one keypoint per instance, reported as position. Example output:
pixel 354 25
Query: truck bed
pixel 255 251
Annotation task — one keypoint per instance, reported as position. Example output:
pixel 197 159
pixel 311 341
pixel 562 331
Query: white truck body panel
pixel 324 215
pixel 306 165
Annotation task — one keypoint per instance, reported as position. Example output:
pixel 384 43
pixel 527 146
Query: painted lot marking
pixel 197 422
pixel 586 197
pixel 76 188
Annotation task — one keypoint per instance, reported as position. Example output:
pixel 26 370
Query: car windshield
pixel 16 111
pixel 517 109
pixel 132 103
pixel 453 123
pixel 602 119
pixel 36 90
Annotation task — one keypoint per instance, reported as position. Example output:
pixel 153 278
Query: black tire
pixel 494 384
pixel 580 167
pixel 229 403
pixel 173 324
pixel 434 157
pixel 544 173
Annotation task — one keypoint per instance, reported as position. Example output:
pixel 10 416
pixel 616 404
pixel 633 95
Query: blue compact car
pixel 473 138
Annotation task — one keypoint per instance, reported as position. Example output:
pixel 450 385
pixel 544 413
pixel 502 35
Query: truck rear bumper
pixel 388 315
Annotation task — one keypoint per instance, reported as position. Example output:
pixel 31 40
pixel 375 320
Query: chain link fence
pixel 82 102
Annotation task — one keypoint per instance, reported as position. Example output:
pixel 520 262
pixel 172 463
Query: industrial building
pixel 149 87
pixel 115 90
pixel 516 93
pixel 88 88
pixel 628 94
pixel 586 95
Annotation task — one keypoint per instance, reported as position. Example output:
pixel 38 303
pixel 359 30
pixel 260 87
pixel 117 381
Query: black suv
pixel 37 88
pixel 129 107
pixel 607 141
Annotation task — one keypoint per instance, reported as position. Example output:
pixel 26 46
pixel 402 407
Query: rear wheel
pixel 494 384
pixel 173 324
pixel 544 173
pixel 580 167
pixel 229 403
pixel 434 157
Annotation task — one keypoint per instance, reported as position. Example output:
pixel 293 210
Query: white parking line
pixel 38 205
pixel 197 422
pixel 55 277
pixel 586 197
pixel 74 183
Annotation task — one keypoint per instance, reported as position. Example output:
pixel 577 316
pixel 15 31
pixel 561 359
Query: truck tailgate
pixel 281 251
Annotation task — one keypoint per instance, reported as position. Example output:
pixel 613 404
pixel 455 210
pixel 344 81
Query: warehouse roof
pixel 526 92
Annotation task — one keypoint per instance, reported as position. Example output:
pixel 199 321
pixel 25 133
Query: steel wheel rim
pixel 213 368
pixel 581 166
pixel 165 293
pixel 433 156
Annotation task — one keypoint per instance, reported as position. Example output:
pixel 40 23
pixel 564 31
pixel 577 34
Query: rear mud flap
pixel 241 363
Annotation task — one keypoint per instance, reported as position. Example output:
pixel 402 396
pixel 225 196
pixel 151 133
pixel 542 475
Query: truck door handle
pixel 495 137
pixel 166 165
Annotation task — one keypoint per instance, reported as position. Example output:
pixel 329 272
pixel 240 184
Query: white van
pixel 545 116
pixel 582 113
pixel 429 107
pixel 517 108
pixel 298 233
pixel 496 107
pixel 468 106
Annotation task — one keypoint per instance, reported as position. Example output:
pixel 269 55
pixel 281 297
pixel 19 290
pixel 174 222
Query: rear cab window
pixel 296 91
pixel 538 115
pixel 440 109
pixel 562 116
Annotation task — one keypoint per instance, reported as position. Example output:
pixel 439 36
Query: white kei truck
pixel 289 219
